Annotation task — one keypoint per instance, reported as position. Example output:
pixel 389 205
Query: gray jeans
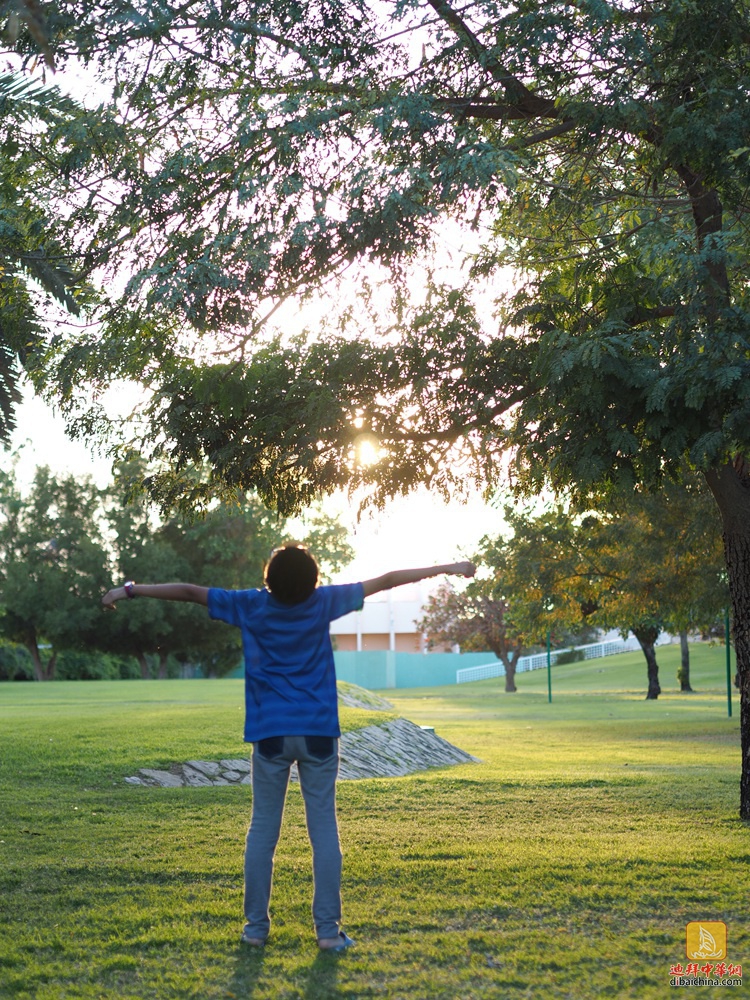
pixel 317 762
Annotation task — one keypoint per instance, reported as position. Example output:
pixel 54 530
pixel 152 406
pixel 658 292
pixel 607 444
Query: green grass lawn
pixel 566 864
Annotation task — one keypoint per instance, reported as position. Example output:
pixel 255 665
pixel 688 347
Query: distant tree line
pixel 65 540
pixel 644 564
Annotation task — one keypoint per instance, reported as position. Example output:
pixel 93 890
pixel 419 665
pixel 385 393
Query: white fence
pixel 539 660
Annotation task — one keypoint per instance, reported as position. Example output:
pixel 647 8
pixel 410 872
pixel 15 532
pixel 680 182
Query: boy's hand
pixel 109 599
pixel 465 568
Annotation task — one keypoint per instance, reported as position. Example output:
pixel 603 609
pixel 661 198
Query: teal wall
pixel 384 669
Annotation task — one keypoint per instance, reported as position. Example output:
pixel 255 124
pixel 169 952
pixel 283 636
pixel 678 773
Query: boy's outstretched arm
pixel 162 591
pixel 401 576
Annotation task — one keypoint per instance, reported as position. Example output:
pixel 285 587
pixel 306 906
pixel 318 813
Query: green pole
pixel 549 667
pixel 729 664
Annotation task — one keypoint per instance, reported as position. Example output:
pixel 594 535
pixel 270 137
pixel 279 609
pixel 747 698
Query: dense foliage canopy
pixel 598 149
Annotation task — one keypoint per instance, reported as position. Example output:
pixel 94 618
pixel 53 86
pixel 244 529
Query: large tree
pixel 651 571
pixel 645 563
pixel 53 565
pixel 63 541
pixel 663 557
pixel 475 620
pixel 648 563
pixel 151 631
pixel 598 149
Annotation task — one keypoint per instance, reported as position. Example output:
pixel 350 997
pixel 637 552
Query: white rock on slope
pixel 392 749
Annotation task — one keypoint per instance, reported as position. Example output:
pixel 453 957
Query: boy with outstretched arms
pixel 291 713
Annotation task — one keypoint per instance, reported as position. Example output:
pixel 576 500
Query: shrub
pixel 570 656
pixel 15 662
pixel 82 665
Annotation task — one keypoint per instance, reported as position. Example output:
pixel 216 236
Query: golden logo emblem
pixel 706 939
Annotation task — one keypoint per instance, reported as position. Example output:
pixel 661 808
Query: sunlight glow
pixel 368 450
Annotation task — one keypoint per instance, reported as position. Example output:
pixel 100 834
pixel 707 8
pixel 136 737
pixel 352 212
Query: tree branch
pixel 539 107
pixel 451 434
pixel 639 316
pixel 515 90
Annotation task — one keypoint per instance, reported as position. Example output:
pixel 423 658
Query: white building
pixel 387 621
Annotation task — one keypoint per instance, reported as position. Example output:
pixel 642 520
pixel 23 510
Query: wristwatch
pixel 128 588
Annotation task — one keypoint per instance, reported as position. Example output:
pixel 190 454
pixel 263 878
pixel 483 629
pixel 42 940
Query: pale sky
pixel 418 530
pixel 414 531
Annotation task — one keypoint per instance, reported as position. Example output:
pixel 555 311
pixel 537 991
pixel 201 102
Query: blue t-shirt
pixel 290 678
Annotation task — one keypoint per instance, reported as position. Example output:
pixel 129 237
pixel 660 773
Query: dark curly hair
pixel 291 574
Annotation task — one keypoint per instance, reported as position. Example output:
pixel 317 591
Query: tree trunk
pixel 730 486
pixel 163 657
pixel 509 662
pixel 647 636
pixel 683 674
pixel 509 658
pixel 42 671
pixel 145 669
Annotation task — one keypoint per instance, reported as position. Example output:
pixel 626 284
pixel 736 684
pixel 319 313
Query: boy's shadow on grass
pixel 247 971
pixel 321 975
